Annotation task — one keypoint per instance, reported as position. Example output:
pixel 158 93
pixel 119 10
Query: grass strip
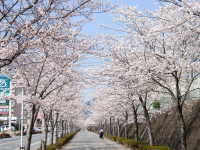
pixel 133 144
pixel 61 142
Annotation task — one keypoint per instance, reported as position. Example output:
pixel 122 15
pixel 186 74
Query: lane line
pixel 12 139
pixel 8 142
pixel 15 141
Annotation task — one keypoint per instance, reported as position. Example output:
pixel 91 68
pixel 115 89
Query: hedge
pixel 147 147
pixel 136 144
pixel 51 147
pixel 64 140
pixel 61 141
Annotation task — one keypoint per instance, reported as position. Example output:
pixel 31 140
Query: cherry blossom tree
pixel 44 42
pixel 156 56
pixel 165 47
pixel 55 107
pixel 24 22
pixel 48 70
pixel 109 112
pixel 137 89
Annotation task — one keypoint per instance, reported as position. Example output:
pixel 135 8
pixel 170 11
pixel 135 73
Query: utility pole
pixel 22 119
pixel 10 116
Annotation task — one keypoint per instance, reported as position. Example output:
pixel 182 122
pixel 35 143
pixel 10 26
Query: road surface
pixel 85 140
pixel 14 142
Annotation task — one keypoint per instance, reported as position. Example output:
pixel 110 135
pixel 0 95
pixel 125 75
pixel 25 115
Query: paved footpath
pixel 85 140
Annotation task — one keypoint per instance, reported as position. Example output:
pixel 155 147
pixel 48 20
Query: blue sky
pixel 94 28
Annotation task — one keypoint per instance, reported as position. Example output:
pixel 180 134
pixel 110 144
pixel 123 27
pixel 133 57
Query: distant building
pixel 4 112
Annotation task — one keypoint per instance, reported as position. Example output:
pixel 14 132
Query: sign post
pixel 19 90
pixel 5 83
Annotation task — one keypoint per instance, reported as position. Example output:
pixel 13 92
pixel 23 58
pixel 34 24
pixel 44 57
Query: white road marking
pixel 8 142
pixel 31 144
pixel 15 140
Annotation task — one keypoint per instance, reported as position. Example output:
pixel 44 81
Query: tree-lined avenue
pixel 85 140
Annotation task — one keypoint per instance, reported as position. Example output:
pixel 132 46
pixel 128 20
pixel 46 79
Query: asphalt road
pixel 14 142
pixel 85 140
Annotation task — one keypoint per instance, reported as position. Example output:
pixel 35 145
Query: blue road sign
pixel 5 82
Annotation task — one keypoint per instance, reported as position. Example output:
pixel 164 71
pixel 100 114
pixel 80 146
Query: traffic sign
pixel 5 82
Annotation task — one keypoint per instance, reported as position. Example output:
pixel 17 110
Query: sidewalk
pixel 85 140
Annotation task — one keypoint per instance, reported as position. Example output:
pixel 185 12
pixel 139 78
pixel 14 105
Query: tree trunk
pixel 118 128
pixel 52 135
pixel 113 128
pixel 68 128
pixel 65 127
pixel 56 132
pixel 136 123
pixel 53 123
pixel 179 104
pixel 136 129
pixel 126 123
pixel 147 118
pixel 45 138
pixel 47 117
pixel 30 128
pixel 62 128
pixel 149 128
pixel 71 127
pixel 182 128
pixel 106 128
pixel 110 125
pixel 125 131
pixel 183 136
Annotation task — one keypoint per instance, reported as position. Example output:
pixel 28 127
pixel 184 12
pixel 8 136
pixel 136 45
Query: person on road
pixel 101 133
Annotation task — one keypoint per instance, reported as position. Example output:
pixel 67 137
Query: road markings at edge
pixel 31 144
pixel 8 143
pixel 12 142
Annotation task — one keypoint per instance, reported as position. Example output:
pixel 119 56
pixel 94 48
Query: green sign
pixel 4 102
pixel 5 85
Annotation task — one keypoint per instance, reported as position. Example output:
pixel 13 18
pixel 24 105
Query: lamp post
pixel 22 119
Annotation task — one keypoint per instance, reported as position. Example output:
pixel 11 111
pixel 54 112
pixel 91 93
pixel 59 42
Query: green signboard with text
pixel 5 82
pixel 4 102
